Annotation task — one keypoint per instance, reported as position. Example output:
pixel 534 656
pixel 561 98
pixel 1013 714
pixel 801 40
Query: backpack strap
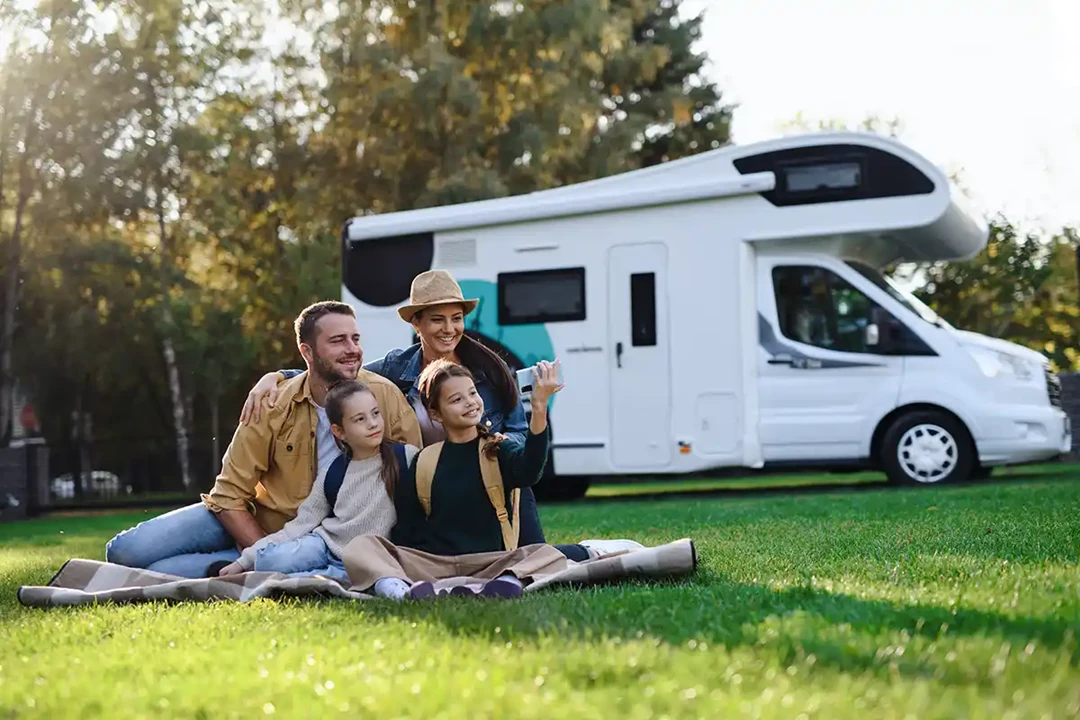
pixel 491 476
pixel 402 461
pixel 426 462
pixel 335 476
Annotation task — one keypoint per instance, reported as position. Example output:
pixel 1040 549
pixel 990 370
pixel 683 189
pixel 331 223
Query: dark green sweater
pixel 462 519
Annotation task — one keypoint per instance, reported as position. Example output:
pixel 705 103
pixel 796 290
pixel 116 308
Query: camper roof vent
pixel 457 253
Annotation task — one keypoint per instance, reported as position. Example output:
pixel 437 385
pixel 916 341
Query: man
pixel 271 464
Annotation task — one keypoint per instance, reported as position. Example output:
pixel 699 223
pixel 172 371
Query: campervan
pixel 730 309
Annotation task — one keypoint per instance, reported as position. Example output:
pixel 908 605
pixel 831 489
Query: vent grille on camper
pixel 456 253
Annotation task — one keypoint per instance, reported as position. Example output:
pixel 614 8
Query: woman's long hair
pixel 335 413
pixel 477 357
pixel 430 384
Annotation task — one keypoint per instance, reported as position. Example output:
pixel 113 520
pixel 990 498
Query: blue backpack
pixel 335 474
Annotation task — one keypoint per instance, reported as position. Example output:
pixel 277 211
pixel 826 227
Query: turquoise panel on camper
pixel 530 343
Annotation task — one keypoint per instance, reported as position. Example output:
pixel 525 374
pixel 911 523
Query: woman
pixel 437 311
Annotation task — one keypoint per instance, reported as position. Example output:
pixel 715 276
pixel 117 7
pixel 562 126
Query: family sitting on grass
pixel 334 460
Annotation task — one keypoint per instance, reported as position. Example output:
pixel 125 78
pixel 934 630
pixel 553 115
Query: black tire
pixel 561 488
pixel 927 447
pixel 981 473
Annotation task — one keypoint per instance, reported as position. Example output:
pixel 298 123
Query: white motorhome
pixel 728 309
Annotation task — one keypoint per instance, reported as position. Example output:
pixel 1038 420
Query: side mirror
pixel 879 332
pixel 873 335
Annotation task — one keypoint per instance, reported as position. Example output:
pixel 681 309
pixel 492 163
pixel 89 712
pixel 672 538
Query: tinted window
pixel 542 296
pixel 643 309
pixel 818 307
pixel 833 173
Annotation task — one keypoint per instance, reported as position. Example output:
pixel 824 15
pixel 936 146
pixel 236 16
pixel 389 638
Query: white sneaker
pixel 600 548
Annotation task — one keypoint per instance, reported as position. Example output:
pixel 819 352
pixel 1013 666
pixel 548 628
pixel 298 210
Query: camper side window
pixel 818 307
pixel 541 296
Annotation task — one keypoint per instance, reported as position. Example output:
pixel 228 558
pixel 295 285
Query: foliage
pixel 1022 287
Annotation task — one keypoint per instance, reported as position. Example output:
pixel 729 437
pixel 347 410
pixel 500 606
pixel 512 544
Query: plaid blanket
pixel 86 582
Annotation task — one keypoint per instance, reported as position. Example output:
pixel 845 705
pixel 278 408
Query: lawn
pixel 940 602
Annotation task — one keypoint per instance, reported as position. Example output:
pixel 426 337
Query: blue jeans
pixel 183 542
pixel 304 556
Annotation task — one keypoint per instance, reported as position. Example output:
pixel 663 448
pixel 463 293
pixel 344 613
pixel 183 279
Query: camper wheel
pixel 927 447
pixel 561 488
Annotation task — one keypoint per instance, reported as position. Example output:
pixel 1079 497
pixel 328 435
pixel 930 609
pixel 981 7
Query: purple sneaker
pixel 502 588
pixel 463 590
pixel 422 590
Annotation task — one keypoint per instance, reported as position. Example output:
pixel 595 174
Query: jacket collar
pixel 299 387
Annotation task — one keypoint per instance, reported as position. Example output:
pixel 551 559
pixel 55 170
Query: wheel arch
pixel 886 422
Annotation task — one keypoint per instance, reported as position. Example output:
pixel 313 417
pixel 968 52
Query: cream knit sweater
pixel 362 508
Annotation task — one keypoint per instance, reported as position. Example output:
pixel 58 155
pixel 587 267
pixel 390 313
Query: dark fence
pixel 113 473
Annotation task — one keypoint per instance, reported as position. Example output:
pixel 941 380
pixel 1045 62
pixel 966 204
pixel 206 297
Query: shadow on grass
pixel 856 485
pixel 842 632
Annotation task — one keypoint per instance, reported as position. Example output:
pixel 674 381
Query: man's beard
pixel 330 374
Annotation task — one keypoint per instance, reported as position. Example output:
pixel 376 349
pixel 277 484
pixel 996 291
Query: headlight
pixel 999 364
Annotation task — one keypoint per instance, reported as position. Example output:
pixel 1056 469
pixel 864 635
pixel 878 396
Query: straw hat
pixel 434 287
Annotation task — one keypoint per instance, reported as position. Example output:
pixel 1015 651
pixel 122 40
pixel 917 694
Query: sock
pixel 391 587
pixel 510 579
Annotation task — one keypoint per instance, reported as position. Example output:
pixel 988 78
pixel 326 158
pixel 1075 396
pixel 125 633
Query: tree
pixel 1021 287
pixel 423 104
pixel 56 102
pixel 175 52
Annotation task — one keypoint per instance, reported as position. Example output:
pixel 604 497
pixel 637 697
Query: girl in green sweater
pixel 461 518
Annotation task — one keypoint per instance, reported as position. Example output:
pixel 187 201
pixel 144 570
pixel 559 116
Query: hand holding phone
pixel 526 378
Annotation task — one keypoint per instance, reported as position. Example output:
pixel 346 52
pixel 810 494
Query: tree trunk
pixel 11 301
pixel 169 352
pixel 177 396
pixel 81 475
pixel 215 434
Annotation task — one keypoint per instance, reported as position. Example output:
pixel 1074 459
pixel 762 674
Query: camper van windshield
pixel 898 294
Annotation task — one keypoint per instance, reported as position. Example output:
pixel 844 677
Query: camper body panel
pixel 652 363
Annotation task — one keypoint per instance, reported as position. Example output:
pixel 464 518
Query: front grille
pixel 1053 387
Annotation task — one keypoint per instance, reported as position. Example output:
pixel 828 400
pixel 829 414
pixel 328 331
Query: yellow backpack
pixel 492 479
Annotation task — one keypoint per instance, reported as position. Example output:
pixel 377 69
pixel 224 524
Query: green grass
pixel 774 481
pixel 940 602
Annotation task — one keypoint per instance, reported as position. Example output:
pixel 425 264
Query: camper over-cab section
pixel 703 307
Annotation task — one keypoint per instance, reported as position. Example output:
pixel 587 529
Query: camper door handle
pixel 618 354
pixel 782 360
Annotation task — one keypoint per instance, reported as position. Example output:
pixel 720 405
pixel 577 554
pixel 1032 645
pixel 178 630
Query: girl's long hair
pixel 430 384
pixel 335 413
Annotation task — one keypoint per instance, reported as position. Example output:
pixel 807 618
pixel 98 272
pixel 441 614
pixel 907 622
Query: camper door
pixel 640 365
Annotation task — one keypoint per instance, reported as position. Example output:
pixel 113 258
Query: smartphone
pixel 525 379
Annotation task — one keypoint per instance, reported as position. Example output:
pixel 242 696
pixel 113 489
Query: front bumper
pixel 1023 434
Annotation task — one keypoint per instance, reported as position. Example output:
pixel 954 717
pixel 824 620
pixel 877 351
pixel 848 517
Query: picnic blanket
pixel 87 582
